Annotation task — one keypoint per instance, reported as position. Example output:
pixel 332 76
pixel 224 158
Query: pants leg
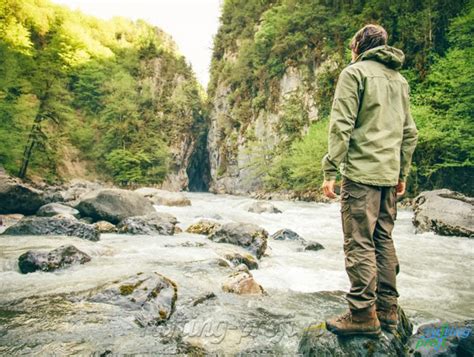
pixel 387 262
pixel 360 206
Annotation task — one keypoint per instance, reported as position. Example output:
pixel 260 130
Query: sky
pixel 191 23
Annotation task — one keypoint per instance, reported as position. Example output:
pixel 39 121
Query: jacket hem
pixel 371 182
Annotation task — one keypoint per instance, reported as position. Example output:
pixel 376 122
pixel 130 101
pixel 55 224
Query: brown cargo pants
pixel 368 215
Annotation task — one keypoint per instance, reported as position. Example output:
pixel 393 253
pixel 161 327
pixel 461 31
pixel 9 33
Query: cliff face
pixel 235 155
pixel 180 91
pixel 255 115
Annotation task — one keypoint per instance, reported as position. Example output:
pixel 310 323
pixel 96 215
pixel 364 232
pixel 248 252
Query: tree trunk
pixel 29 147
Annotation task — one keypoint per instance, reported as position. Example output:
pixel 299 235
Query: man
pixel 372 137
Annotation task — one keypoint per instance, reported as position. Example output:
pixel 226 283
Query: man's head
pixel 368 37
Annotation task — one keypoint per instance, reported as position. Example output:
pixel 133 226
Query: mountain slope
pixel 117 91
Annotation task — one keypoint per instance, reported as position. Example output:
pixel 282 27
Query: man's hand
pixel 328 188
pixel 401 188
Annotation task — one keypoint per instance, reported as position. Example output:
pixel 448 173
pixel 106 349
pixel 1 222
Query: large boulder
pixel 151 296
pixel 263 206
pixel 247 235
pixel 443 340
pixel 113 205
pixel 445 212
pixel 61 257
pixel 53 209
pixel 318 341
pixel 163 197
pixel 154 223
pixel 203 226
pixel 57 225
pixel 242 283
pixel 18 197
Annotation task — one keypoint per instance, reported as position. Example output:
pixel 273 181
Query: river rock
pixel 105 227
pixel 154 223
pixel 113 205
pixel 61 257
pixel 313 246
pixel 163 197
pixel 242 268
pixel 151 296
pixel 203 298
pixel 443 340
pixel 237 259
pixel 77 188
pixel 318 341
pixel 263 206
pixel 247 235
pixel 18 197
pixel 66 216
pixel 287 234
pixel 8 220
pixel 53 226
pixel 203 226
pixel 52 195
pixel 242 283
pixel 52 209
pixel 444 212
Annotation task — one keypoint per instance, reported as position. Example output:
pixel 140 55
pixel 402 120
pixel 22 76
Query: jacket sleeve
pixel 410 138
pixel 344 112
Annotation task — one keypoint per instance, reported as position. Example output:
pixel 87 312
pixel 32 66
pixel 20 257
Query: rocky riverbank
pixel 261 273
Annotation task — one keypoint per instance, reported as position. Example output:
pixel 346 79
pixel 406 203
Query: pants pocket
pixel 354 201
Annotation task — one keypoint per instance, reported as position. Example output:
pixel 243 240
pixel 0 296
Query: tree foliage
pixel 116 90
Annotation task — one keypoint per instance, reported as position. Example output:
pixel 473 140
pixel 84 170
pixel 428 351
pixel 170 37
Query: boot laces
pixel 346 316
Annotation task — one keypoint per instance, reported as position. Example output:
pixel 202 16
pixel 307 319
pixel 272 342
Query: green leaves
pixel 117 91
pixel 132 168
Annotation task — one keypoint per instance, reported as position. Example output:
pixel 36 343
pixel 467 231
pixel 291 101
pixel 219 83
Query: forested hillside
pixel 274 69
pixel 114 97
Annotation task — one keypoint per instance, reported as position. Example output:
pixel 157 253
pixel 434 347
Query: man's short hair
pixel 368 37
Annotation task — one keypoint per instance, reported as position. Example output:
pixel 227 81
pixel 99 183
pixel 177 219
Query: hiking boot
pixel 388 317
pixel 355 322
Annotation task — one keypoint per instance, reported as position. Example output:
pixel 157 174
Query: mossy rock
pixel 151 296
pixel 204 226
pixel 318 341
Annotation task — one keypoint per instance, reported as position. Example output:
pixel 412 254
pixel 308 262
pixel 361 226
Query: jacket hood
pixel 390 56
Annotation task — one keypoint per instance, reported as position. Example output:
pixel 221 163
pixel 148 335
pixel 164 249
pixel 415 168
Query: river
pixel 38 314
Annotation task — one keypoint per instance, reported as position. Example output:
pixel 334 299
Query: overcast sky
pixel 192 23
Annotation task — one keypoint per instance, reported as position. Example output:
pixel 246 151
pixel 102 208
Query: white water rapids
pixel 436 281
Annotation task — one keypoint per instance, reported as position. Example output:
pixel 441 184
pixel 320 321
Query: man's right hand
pixel 401 188
pixel 328 188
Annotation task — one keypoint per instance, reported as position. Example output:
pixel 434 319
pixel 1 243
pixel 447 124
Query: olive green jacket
pixel 372 134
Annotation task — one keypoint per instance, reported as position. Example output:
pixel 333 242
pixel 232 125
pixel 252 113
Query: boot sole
pixel 354 333
pixel 389 327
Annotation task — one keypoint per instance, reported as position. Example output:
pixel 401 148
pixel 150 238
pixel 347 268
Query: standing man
pixel 372 137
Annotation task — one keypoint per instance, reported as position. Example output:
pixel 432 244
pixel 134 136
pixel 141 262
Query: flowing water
pixel 38 315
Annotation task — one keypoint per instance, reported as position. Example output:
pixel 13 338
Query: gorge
pixel 104 122
pixel 114 100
